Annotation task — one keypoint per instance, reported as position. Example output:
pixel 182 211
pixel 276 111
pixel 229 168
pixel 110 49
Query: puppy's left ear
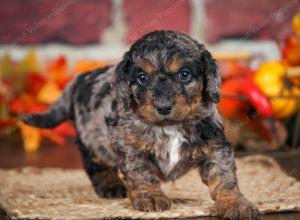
pixel 212 78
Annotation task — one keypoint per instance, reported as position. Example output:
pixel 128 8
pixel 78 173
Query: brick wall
pixel 82 22
pixel 258 19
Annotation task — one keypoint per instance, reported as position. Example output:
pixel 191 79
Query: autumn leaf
pixel 31 137
pixel 82 66
pixel 49 93
pixel 8 123
pixel 34 82
pixel 28 65
pixel 6 66
pixel 56 138
pixel 14 74
pixel 57 71
pixel 65 129
pixel 24 90
pixel 26 103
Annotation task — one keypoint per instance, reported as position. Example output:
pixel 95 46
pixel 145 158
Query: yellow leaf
pixel 49 93
pixel 6 66
pixel 31 137
pixel 29 64
pixel 296 23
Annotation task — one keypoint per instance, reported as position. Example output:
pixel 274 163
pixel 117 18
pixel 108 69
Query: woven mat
pixel 67 194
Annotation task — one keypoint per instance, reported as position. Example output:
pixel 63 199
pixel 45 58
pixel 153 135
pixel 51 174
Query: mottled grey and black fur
pixel 149 119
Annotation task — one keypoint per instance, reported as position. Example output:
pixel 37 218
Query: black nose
pixel 164 109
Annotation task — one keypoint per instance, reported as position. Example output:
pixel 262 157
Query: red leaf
pixel 34 82
pixel 58 71
pixel 7 123
pixel 26 103
pixel 65 129
pixel 56 138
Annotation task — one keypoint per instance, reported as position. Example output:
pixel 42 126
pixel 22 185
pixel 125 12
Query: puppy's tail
pixel 59 111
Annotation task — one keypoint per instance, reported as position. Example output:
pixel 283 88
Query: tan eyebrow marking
pixel 175 65
pixel 145 65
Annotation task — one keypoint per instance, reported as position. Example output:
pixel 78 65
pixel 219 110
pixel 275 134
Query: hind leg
pixel 105 179
pixel 107 184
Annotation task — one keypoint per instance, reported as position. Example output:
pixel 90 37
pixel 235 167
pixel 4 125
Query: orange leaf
pixel 82 66
pixel 58 71
pixel 31 137
pixel 49 93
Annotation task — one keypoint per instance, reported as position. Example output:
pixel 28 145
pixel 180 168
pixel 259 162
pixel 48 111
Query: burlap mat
pixel 67 194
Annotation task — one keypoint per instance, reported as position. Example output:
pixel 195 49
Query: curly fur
pixel 121 132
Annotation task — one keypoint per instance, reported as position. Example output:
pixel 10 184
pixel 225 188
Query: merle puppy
pixel 151 118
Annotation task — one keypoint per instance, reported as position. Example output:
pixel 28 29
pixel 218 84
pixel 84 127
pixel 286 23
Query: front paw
pixel 235 206
pixel 151 201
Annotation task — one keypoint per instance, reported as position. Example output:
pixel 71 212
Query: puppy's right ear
pixel 211 72
pixel 212 77
pixel 122 82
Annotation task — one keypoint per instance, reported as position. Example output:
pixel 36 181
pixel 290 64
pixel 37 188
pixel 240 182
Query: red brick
pixel 70 21
pixel 244 19
pixel 143 16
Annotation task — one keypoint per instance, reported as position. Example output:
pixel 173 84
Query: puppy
pixel 151 118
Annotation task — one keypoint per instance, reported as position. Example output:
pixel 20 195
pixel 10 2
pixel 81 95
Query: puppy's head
pixel 167 77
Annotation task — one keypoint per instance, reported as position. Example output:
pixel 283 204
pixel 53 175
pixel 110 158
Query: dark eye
pixel 142 79
pixel 184 76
